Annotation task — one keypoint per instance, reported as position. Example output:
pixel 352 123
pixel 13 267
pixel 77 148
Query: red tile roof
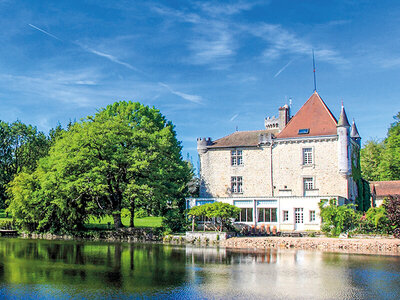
pixel 313 115
pixel 238 139
pixel 385 188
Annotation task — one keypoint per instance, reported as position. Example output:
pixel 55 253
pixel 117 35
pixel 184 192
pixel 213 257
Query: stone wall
pixel 370 246
pixel 120 235
pixel 216 172
pixel 288 170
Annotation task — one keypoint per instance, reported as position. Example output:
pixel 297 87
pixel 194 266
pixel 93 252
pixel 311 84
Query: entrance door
pixel 298 219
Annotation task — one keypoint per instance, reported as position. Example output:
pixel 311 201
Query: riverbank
pixel 382 246
pixel 130 235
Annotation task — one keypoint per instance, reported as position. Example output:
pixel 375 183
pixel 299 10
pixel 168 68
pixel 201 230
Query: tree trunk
pixel 132 209
pixel 192 223
pixel 117 220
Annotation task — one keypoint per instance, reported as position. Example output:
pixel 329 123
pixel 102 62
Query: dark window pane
pixel 273 215
pixel 261 215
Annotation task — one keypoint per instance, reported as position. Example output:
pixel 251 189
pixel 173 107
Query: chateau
pixel 278 175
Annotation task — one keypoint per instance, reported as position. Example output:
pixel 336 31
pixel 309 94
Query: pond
pixel 37 269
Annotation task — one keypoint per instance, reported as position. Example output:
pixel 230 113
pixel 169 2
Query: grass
pixel 108 222
pixel 102 223
pixel 3 215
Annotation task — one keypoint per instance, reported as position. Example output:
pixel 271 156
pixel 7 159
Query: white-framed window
pixel 246 215
pixel 236 184
pixel 285 215
pixel 312 215
pixel 237 157
pixel 267 215
pixel 307 156
pixel 308 183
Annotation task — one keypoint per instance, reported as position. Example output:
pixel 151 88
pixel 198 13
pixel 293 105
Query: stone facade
pixel 285 170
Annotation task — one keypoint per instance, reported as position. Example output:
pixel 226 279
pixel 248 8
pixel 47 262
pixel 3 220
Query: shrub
pixel 141 213
pixel 6 224
pixel 392 206
pixel 377 217
pixel 337 219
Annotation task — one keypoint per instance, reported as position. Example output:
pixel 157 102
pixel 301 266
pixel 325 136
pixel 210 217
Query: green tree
pixel 389 166
pixel 127 155
pixel 370 160
pixel 223 212
pixel 20 148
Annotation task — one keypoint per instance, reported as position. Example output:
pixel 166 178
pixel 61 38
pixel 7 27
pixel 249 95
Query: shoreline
pixel 374 246
pixel 371 246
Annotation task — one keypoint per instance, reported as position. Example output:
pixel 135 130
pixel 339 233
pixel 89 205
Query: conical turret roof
pixel 343 121
pixel 354 132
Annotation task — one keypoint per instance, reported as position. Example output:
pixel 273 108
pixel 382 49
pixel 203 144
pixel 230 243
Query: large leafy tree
pixel 390 163
pixel 381 161
pixel 21 146
pixel 370 160
pixel 127 155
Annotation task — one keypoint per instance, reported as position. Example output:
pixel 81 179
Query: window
pixel 304 131
pixel 246 215
pixel 308 183
pixel 236 184
pixel 307 156
pixel 285 216
pixel 312 215
pixel 236 157
pixel 267 215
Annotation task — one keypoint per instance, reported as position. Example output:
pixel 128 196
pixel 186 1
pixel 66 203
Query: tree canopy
pixel 381 160
pixel 125 156
pixel 20 148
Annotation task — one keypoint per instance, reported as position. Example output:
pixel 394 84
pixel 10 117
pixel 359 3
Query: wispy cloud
pixel 283 69
pixel 234 117
pixel 109 57
pixel 192 98
pixel 45 32
pixel 92 51
pixel 226 9
pixel 281 41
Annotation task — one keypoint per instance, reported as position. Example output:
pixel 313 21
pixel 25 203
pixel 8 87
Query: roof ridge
pixel 301 118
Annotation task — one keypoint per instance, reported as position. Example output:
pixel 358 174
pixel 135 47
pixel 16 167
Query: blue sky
pixel 208 66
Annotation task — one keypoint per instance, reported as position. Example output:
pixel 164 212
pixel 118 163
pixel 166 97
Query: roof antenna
pixel 315 80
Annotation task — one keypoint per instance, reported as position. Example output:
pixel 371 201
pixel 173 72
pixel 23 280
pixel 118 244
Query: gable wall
pixel 289 170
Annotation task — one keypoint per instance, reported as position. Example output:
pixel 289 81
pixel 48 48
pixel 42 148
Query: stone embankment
pixel 385 246
pixel 120 235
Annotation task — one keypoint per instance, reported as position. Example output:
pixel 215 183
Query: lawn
pixel 97 223
pixel 3 215
pixel 107 222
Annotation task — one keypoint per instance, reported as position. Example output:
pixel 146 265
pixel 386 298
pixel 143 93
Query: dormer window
pixel 236 157
pixel 304 131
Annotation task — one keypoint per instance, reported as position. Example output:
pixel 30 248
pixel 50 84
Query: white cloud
pixel 281 41
pixel 283 69
pixel 234 117
pixel 226 9
pixel 192 98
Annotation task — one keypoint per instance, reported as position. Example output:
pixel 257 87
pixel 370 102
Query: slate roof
pixel 239 139
pixel 354 132
pixel 315 116
pixel 343 121
pixel 385 188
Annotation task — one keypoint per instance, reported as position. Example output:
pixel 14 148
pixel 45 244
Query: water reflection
pixel 53 269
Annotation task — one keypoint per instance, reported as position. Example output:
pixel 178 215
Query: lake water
pixel 32 269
